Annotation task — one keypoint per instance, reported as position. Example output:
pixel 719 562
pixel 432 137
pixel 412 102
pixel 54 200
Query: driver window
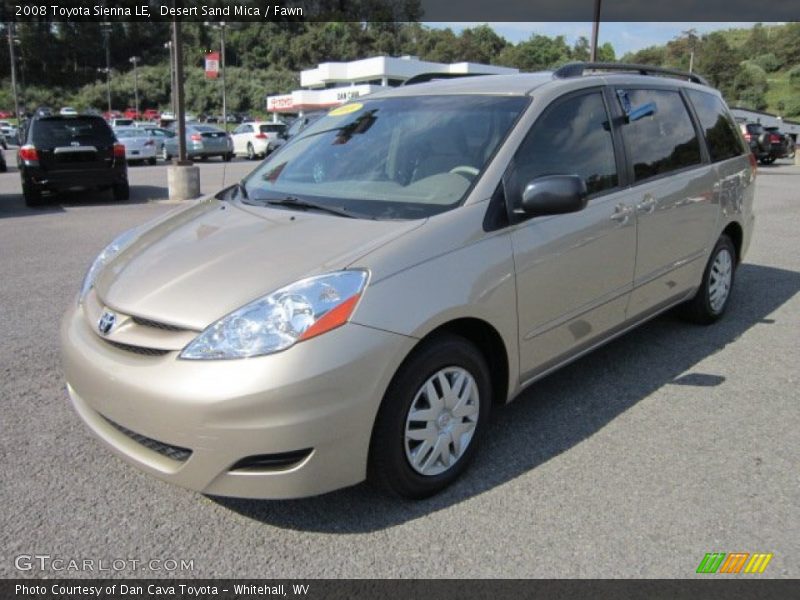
pixel 572 137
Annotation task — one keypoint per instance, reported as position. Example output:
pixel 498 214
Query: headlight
pixel 275 322
pixel 121 242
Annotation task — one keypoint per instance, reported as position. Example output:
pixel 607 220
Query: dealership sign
pixel 212 65
pixel 318 99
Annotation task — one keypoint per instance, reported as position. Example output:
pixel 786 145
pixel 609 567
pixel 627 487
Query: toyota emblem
pixel 106 322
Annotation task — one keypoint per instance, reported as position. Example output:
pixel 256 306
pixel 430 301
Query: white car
pixel 68 111
pixel 9 132
pixel 258 138
pixel 139 144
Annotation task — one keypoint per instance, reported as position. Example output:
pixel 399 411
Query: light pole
pixel 106 27
pixel 171 77
pixel 13 70
pixel 135 60
pixel 107 71
pixel 221 26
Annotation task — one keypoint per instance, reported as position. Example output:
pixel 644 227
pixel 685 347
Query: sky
pixel 625 37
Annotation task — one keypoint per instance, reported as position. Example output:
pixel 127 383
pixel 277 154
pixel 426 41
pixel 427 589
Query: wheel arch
pixel 736 234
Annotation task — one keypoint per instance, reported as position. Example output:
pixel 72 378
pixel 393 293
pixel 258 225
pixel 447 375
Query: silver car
pixel 140 145
pixel 202 142
pixel 355 307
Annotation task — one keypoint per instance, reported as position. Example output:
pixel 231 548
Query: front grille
pixel 156 325
pixel 138 349
pixel 174 452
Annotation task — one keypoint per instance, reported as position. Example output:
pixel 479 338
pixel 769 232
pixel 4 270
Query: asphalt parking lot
pixel 671 442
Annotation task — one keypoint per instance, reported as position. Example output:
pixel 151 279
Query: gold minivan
pixel 355 306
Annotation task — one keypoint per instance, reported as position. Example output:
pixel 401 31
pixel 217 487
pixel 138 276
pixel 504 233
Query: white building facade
pixel 334 83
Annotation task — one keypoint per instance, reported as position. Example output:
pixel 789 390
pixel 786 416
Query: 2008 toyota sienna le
pixel 355 306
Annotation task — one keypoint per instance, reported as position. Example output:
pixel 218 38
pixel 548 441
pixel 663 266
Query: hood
pixel 211 259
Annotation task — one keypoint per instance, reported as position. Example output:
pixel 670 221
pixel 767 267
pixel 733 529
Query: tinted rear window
pixel 663 142
pixel 754 128
pixel 62 132
pixel 272 128
pixel 723 140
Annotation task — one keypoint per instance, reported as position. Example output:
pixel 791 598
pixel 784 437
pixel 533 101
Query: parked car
pixel 5 114
pixel 202 142
pixel 139 144
pixel 151 114
pixel 111 115
pixel 43 111
pixel 9 133
pixel 61 153
pixel 122 122
pixel 766 146
pixel 258 138
pixel 781 144
pixel 159 135
pixel 67 111
pixel 356 306
pixel 132 113
pixel 302 122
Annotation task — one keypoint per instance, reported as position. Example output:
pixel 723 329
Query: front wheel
pixel 431 418
pixel 713 296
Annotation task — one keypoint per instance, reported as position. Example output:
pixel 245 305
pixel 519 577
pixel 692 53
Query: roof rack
pixel 576 69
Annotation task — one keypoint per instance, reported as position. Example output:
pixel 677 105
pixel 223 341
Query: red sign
pixel 212 65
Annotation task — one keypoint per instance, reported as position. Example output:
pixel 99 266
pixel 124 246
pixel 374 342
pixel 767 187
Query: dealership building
pixel 334 83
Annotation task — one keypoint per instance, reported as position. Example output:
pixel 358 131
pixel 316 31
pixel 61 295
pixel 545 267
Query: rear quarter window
pixel 718 127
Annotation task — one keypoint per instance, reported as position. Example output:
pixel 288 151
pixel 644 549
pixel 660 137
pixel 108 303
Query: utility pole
pixel 107 71
pixel 691 35
pixel 135 60
pixel 181 116
pixel 13 70
pixel 595 30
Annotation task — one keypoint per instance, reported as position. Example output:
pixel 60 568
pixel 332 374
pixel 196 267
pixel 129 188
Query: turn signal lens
pixel 119 151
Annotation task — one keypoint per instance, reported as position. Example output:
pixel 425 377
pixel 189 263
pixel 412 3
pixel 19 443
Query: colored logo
pixel 734 562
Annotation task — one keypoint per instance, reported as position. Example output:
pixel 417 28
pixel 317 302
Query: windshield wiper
pixel 293 202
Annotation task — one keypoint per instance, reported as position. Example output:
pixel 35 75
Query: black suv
pixel 71 152
pixel 766 143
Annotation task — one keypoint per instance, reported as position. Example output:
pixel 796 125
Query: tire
pixel 705 308
pixel 391 450
pixel 767 160
pixel 227 157
pixel 121 191
pixel 164 154
pixel 151 161
pixel 3 167
pixel 251 155
pixel 32 195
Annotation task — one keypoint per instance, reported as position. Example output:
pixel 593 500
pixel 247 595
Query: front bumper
pixel 322 395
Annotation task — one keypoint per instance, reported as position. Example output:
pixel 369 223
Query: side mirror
pixel 554 195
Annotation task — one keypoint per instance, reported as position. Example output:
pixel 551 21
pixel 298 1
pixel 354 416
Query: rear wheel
pixel 32 194
pixel 121 191
pixel 151 161
pixel 164 154
pixel 251 154
pixel 767 160
pixel 712 299
pixel 431 418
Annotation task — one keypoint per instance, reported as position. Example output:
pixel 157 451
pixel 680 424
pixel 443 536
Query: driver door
pixel 574 271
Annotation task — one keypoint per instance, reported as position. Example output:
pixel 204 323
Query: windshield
pixel 129 133
pixel 390 158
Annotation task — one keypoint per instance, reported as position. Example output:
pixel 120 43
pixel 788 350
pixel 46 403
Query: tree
pixel 750 86
pixel 717 62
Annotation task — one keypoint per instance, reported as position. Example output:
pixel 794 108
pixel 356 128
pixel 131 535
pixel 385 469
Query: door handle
pixel 622 213
pixel 647 205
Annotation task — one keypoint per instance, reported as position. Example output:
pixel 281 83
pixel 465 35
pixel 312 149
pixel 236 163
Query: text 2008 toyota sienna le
pixel 353 309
